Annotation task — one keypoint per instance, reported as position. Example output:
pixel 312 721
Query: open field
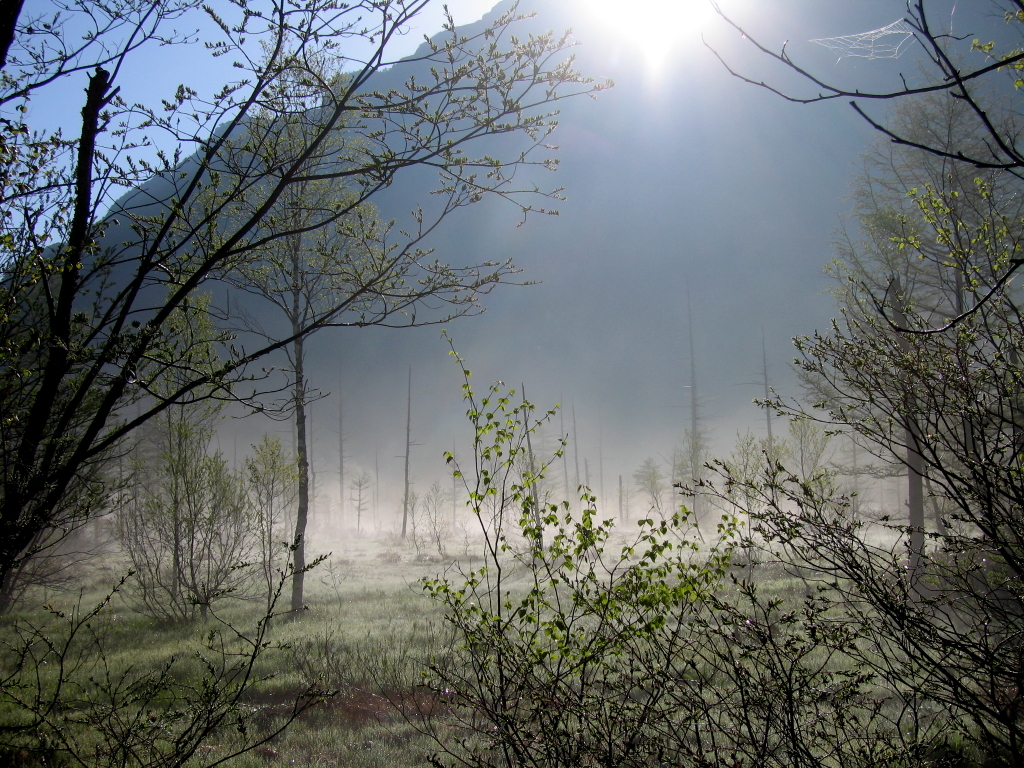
pixel 370 633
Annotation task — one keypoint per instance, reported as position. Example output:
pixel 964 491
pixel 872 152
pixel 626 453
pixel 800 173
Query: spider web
pixel 884 43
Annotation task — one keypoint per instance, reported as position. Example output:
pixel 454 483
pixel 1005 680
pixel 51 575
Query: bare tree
pixel 407 501
pixel 272 485
pixel 360 491
pixel 970 73
pixel 435 523
pixel 185 523
pixel 650 479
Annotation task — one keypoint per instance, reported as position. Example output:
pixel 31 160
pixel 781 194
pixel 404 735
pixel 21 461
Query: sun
pixel 654 27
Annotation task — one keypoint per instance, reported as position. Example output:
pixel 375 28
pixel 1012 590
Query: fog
pixel 688 192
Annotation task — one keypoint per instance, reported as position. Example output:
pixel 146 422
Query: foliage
pixel 574 649
pixel 650 480
pixel 185 523
pixel 943 639
pixel 436 521
pixel 93 276
pixel 270 483
pixel 64 701
pixel 807 449
pixel 922 368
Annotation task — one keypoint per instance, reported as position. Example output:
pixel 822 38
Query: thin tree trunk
pixel 576 451
pixel 912 440
pixel 695 468
pixel 408 447
pixel 359 509
pixel 301 455
pixel 767 395
pixel 600 459
pixel 855 501
pixel 176 502
pixel 534 491
pixel 311 458
pixel 621 516
pixel 341 457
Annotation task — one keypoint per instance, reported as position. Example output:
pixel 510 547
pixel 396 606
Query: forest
pixel 272 491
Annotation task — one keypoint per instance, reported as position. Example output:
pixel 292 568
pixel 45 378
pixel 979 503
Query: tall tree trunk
pixel 621 516
pixel 695 468
pixel 341 457
pixel 534 490
pixel 912 440
pixel 21 488
pixel 576 451
pixel 301 444
pixel 302 460
pixel 311 459
pixel 408 447
pixel 600 459
pixel 767 395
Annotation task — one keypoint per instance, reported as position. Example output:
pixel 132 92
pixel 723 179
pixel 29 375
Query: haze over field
pixel 689 193
pixel 240 243
pixel 680 181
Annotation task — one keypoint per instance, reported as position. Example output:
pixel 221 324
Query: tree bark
pixel 17 523
pixel 9 13
pixel 912 440
pixel 301 453
pixel 302 460
pixel 408 450
pixel 341 458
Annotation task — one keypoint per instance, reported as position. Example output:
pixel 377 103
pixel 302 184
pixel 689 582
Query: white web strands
pixel 885 43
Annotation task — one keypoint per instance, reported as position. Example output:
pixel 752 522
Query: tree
pixel 408 502
pixel 745 464
pixel 272 485
pixel 90 279
pixel 310 272
pixel 184 522
pixel 435 523
pixel 570 651
pixel 689 458
pixel 651 481
pixel 923 368
pixel 360 490
pixel 807 449
pixel 968 77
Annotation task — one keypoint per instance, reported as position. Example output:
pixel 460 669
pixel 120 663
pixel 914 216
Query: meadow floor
pixel 367 634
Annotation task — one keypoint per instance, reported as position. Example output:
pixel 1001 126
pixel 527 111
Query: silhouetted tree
pixel 90 279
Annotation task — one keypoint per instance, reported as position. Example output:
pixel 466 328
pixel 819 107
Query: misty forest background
pixel 689 193
pixel 649 565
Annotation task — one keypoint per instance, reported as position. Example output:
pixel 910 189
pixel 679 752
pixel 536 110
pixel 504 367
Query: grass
pixel 367 635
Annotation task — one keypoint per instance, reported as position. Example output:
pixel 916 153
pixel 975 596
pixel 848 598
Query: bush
pixel 571 650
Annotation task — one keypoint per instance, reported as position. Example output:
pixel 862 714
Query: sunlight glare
pixel 656 27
